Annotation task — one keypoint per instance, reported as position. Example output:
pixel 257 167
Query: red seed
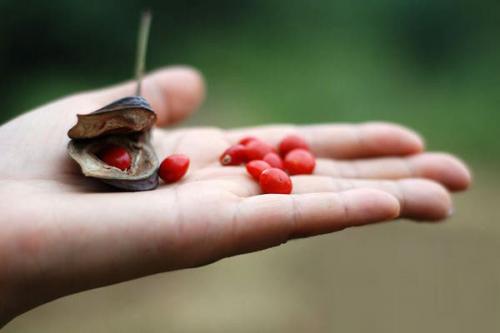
pixel 275 180
pixel 256 167
pixel 274 160
pixel 115 156
pixel 246 140
pixel 173 168
pixel 256 150
pixel 300 162
pixel 234 155
pixel 291 142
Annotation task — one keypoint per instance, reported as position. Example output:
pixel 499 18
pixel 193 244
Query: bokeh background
pixel 432 65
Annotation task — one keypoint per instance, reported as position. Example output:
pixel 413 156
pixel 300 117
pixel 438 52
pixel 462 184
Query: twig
pixel 142 44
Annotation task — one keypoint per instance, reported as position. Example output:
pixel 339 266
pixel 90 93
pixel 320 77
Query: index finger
pixel 344 141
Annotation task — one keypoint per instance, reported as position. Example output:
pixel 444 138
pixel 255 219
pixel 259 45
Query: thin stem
pixel 142 44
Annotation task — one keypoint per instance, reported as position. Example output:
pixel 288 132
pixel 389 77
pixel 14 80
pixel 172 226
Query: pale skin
pixel 62 233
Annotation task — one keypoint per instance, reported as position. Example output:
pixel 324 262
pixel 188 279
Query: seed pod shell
pixel 126 122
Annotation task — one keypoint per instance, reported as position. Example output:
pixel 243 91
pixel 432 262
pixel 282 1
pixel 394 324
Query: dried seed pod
pixel 126 123
pixel 126 115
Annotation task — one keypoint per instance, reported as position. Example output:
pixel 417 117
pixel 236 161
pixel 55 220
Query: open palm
pixel 62 233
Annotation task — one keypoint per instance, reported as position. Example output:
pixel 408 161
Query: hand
pixel 62 233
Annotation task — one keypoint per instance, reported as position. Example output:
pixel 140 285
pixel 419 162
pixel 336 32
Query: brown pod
pixel 126 123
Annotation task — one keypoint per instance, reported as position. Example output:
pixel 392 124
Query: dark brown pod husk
pixel 127 123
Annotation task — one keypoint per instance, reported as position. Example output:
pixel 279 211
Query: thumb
pixel 173 92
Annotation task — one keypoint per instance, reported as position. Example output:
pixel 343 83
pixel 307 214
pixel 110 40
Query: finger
pixel 173 92
pixel 344 141
pixel 419 199
pixel 443 168
pixel 267 220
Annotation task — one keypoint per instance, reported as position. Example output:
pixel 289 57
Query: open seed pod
pixel 126 123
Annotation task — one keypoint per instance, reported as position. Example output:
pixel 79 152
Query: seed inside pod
pixel 116 156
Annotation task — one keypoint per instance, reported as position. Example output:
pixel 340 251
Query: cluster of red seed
pixel 172 169
pixel 269 166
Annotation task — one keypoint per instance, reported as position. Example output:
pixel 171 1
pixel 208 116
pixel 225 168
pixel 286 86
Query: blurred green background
pixel 432 65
